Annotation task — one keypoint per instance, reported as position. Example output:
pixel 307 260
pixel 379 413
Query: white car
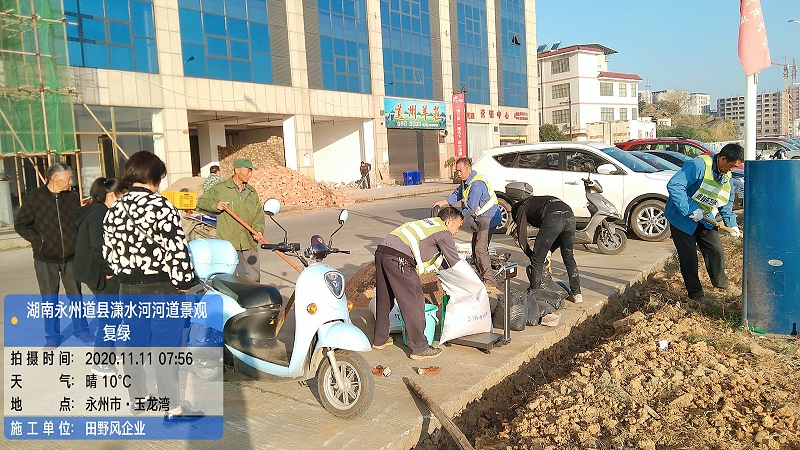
pixel 637 189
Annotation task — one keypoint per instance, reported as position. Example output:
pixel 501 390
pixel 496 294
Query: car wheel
pixel 648 221
pixel 505 215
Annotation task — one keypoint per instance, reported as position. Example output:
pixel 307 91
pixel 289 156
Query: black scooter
pixel 602 228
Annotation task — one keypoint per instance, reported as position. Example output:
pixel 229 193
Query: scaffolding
pixel 37 120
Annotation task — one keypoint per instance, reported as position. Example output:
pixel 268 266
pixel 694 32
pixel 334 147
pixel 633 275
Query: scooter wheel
pixel 359 383
pixel 611 242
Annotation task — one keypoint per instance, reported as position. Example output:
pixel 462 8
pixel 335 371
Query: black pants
pixel 153 333
pixel 481 237
pixel 558 230
pixel 48 275
pixel 713 256
pixel 109 293
pixel 405 286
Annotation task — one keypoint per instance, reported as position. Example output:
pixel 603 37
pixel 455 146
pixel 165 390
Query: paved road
pixel 283 415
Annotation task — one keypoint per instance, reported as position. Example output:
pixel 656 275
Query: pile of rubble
pixel 295 189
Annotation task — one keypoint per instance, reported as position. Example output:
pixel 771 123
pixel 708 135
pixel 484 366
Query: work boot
pixel 550 320
pixel 731 289
pixel 430 352
pixel 85 336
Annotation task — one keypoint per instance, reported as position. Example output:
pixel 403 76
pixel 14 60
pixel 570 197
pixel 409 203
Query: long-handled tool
pixel 447 424
pixel 284 257
pixel 716 224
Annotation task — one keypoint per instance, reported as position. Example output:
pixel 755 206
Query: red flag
pixel 753 48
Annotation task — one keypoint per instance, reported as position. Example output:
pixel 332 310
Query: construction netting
pixel 36 115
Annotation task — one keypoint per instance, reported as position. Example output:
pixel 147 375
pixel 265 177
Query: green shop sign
pixel 406 113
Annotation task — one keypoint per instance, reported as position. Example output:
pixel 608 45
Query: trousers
pixel 395 280
pixel 557 231
pixel 48 276
pixel 713 255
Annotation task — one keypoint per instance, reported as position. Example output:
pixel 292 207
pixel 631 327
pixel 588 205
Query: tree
pixel 550 132
pixel 680 130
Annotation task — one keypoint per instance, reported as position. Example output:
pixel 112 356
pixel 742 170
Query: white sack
pixel 468 311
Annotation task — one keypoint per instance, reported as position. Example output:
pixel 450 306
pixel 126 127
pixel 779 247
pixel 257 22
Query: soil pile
pixel 653 371
pixel 360 288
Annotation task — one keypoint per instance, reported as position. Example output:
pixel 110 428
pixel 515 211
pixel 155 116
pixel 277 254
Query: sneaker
pixel 430 352
pixel 575 298
pixel 550 320
pixel 85 336
pixel 186 415
pixel 52 343
pixel 384 345
pixel 104 369
pixel 731 290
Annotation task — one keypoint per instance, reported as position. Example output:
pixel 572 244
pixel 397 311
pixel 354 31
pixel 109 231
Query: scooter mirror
pixel 272 206
pixel 606 169
pixel 343 216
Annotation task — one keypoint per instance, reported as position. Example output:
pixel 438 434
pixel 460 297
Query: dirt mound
pixel 610 384
pixel 360 288
pixel 295 189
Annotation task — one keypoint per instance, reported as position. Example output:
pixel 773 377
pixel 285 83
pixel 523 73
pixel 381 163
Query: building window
pixel 344 45
pixel 606 114
pixel 623 90
pixel 226 40
pixel 634 114
pixel 407 64
pixel 623 114
pixel 119 35
pixel 633 90
pixel 473 50
pixel 561 90
pixel 512 36
pixel 559 66
pixel 607 89
pixel 561 116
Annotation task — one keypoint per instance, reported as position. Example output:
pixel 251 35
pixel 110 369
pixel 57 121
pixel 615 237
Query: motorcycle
pixel 601 229
pixel 324 343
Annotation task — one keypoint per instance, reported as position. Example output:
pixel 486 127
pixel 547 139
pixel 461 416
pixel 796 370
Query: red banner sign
pixel 460 124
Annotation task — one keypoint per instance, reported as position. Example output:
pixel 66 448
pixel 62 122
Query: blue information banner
pixel 86 367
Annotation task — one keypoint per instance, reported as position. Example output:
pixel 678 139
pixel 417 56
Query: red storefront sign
pixel 460 124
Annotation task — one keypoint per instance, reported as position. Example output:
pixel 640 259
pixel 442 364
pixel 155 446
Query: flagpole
pixel 750 96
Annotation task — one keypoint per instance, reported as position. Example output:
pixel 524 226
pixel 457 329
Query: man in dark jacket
pixel 556 223
pixel 45 219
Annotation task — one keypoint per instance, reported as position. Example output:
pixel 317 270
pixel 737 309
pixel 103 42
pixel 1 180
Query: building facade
pixel 576 88
pixel 690 103
pixel 773 114
pixel 182 78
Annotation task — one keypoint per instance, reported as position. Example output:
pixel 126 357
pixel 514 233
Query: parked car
pixel 737 175
pixel 688 147
pixel 636 188
pixel 655 161
pixel 767 147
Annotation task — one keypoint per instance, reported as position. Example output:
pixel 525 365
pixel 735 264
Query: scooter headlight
pixel 311 308
pixel 335 282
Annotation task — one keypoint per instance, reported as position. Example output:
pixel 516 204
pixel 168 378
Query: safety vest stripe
pixel 413 242
pixel 711 193
pixel 492 196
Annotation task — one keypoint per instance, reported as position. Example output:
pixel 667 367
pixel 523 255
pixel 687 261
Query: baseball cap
pixel 243 162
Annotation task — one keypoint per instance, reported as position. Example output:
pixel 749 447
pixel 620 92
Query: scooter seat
pixel 248 294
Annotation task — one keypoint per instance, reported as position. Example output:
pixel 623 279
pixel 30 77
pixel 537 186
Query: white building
pixel 692 104
pixel 576 88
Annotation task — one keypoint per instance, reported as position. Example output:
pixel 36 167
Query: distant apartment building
pixel 692 104
pixel 646 95
pixel 773 114
pixel 576 88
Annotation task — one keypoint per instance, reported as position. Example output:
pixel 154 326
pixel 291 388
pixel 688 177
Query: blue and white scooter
pixel 324 343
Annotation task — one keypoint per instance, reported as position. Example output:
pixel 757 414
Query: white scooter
pixel 324 343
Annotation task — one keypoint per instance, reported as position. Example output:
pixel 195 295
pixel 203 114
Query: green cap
pixel 243 162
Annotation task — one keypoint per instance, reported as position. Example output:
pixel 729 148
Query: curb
pixel 402 195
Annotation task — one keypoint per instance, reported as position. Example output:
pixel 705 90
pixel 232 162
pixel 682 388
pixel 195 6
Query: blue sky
pixel 675 44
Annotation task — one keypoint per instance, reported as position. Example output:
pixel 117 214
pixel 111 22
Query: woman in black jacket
pixel 91 268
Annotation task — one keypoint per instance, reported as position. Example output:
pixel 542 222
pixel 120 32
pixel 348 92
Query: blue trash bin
pixel 408 178
pixel 417 177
